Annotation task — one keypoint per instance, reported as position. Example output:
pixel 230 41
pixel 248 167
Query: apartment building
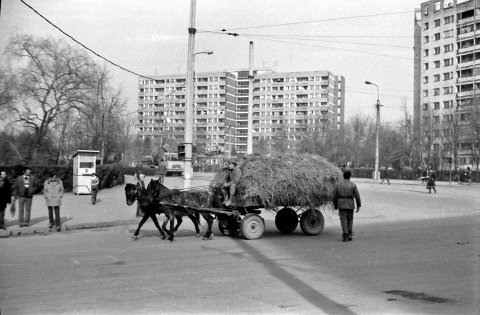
pixel 286 105
pixel 447 81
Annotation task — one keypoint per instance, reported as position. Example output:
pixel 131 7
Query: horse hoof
pixel 198 235
pixel 134 238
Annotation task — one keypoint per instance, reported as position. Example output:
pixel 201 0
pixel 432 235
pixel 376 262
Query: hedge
pixel 411 175
pixel 110 175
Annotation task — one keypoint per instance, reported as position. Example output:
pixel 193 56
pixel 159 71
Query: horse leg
pixel 144 218
pixel 172 227
pixel 155 221
pixel 179 221
pixel 196 222
pixel 209 218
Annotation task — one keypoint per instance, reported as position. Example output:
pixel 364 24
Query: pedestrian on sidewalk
pixel 345 196
pixel 5 197
pixel 140 182
pixel 431 183
pixel 468 174
pixel 53 193
pixel 23 189
pixel 162 171
pixel 457 175
pixel 94 182
pixel 385 176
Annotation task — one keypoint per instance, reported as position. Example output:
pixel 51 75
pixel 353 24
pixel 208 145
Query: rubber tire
pixel 286 220
pixel 252 226
pixel 312 222
pixel 228 226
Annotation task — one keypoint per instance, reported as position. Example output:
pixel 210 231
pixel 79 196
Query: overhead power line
pixel 317 21
pixel 90 50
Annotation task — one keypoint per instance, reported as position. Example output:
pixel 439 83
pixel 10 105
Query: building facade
pixel 447 82
pixel 286 106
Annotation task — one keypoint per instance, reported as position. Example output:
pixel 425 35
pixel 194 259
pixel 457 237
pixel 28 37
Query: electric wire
pixel 320 20
pixel 79 43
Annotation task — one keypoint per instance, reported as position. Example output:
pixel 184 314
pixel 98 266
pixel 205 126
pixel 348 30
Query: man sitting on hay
pixel 232 179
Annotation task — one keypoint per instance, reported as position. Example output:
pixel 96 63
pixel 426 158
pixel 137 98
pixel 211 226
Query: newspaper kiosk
pixel 84 164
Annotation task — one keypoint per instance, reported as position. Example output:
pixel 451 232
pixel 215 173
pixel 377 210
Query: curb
pixel 32 230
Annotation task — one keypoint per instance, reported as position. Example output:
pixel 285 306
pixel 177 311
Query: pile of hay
pixel 289 180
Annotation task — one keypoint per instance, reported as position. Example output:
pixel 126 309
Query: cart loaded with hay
pixel 295 187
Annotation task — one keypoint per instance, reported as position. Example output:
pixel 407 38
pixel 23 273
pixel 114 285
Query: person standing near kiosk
pixel 94 181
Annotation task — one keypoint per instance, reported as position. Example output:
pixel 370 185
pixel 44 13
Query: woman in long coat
pixel 53 193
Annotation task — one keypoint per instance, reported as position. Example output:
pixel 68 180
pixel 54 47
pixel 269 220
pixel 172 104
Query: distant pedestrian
pixel 162 171
pixel 53 193
pixel 23 189
pixel 141 182
pixel 345 196
pixel 431 183
pixel 94 182
pixel 468 175
pixel 5 197
pixel 424 177
pixel 456 175
pixel 385 176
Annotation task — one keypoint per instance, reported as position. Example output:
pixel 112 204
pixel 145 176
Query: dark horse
pixel 151 207
pixel 181 201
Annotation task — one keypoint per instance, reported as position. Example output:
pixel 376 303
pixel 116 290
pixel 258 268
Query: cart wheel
pixel 252 226
pixel 228 226
pixel 286 220
pixel 312 222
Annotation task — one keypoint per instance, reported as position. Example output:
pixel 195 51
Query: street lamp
pixel 188 169
pixel 376 173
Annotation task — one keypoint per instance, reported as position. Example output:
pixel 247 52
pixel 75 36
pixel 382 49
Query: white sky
pixel 150 37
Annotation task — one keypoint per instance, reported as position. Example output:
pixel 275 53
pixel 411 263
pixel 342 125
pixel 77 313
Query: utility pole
pixel 376 173
pixel 188 169
pixel 250 103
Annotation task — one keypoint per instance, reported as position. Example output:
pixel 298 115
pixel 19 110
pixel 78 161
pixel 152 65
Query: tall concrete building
pixel 285 105
pixel 447 82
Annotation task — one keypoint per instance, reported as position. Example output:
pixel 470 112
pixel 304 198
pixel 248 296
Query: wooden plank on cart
pixel 208 210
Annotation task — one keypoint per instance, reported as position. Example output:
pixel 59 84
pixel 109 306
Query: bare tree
pixel 52 79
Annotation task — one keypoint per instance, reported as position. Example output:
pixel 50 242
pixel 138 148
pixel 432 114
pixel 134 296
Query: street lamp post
pixel 188 169
pixel 376 173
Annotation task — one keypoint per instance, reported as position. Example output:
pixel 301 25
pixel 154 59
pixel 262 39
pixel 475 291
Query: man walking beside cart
pixel 345 195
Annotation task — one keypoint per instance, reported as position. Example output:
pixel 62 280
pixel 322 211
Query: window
pixel 436 91
pixel 436 119
pixel 436 6
pixel 425 66
pixel 446 104
pixel 425 79
pixel 425 53
pixel 436 78
pixel 425 106
pixel 426 39
pixel 436 36
pixel 425 93
pixel 436 64
pixel 436 50
pixel 436 147
pixel 448 34
pixel 436 105
pixel 447 62
pixel 448 90
pixel 448 19
pixel 426 26
pixel 436 22
pixel 425 10
pixel 447 48
pixel 448 76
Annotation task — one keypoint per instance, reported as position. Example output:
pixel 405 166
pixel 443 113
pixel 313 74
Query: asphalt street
pixel 412 253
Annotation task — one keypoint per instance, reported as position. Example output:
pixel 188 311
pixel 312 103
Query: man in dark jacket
pixel 5 197
pixel 23 189
pixel 233 178
pixel 345 195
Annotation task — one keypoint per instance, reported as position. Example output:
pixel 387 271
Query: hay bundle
pixel 290 180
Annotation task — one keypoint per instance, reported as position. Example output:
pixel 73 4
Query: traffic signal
pixel 181 152
pixel 450 160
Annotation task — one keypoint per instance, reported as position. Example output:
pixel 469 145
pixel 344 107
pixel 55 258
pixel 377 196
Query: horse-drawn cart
pixel 247 221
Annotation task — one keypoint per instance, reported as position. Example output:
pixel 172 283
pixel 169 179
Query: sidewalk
pixel 77 211
pixel 111 208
